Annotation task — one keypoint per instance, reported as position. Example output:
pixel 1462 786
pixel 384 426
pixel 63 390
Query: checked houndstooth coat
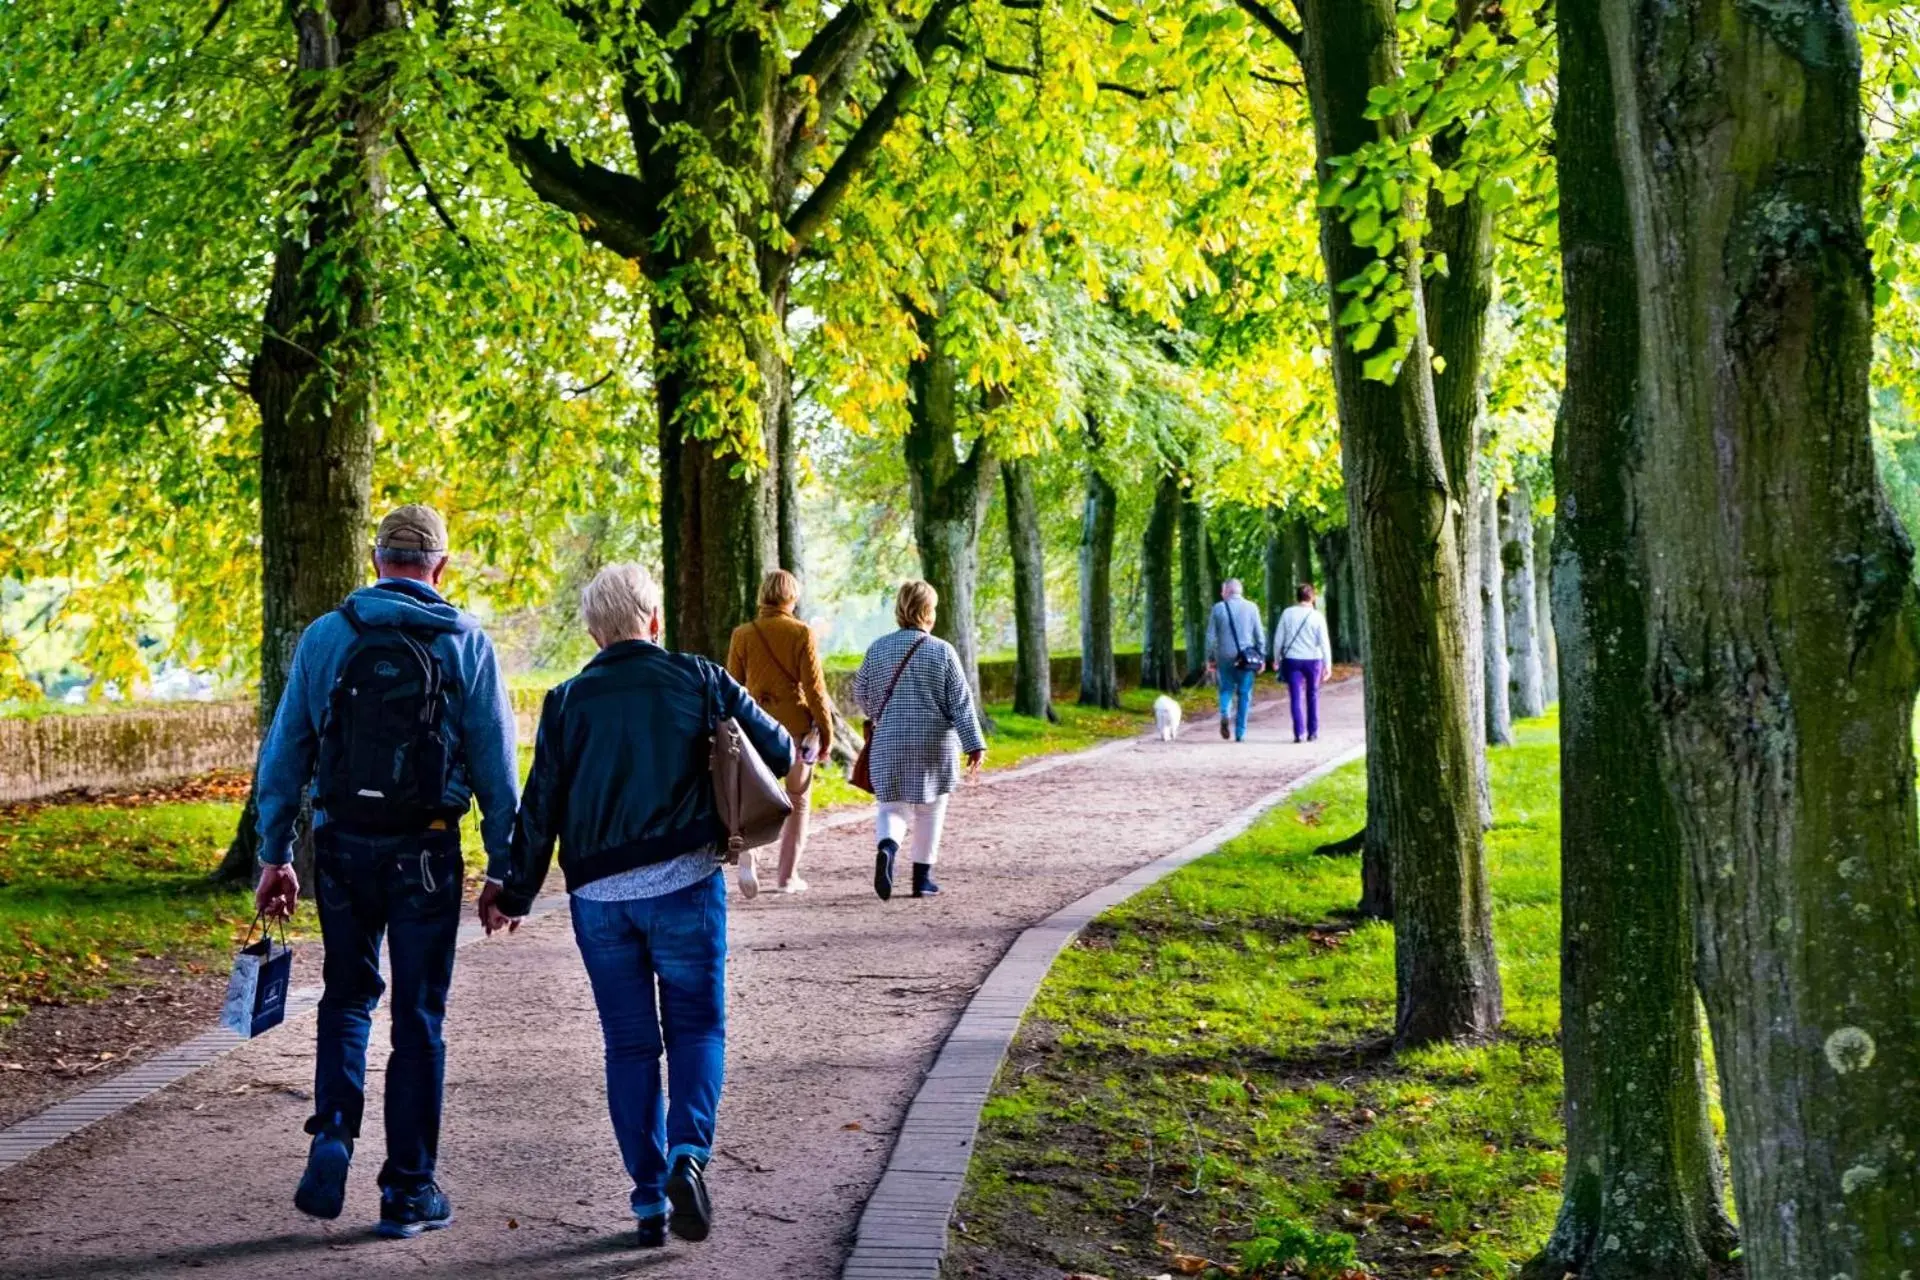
pixel 930 721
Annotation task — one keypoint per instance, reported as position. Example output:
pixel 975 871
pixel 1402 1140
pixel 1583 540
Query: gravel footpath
pixel 838 1004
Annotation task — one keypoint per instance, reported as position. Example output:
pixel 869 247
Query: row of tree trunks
pixel 1642 1189
pixel 1543 607
pixel 1032 666
pixel 1782 614
pixel 1276 566
pixel 313 377
pixel 1495 690
pixel 1526 683
pixel 1099 680
pixel 949 492
pixel 1196 577
pixel 1159 669
pixel 1422 809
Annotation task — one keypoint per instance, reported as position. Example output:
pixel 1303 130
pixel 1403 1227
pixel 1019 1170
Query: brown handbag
pixel 751 803
pixel 862 774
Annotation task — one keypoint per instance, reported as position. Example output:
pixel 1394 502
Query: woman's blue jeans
pixel 659 972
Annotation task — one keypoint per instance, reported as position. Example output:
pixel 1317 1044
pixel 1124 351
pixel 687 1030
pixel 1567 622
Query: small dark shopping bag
pixel 257 992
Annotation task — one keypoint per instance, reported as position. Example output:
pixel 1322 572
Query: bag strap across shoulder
pixel 1288 642
pixel 897 673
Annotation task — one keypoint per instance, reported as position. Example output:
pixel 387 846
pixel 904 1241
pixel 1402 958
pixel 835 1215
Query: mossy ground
pixel 1205 1080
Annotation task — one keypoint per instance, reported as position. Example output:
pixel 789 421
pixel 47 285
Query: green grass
pixel 1205 1075
pixel 88 891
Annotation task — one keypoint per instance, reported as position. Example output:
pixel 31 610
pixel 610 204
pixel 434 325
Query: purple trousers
pixel 1303 678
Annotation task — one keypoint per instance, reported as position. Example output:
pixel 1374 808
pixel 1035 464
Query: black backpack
pixel 384 762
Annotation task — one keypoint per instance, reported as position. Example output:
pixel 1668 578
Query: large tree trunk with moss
pixel 1195 580
pixel 1526 689
pixel 1642 1193
pixel 1422 802
pixel 1497 706
pixel 1543 608
pixel 1032 668
pixel 1782 613
pixel 1099 679
pixel 313 375
pixel 950 492
pixel 1159 669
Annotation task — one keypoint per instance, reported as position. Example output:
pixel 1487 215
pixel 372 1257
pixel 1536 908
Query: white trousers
pixel 926 820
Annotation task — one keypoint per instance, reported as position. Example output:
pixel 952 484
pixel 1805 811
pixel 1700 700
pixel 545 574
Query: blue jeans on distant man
pixel 1236 695
pixel 407 889
pixel 675 943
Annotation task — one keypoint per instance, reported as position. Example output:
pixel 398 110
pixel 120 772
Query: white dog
pixel 1166 717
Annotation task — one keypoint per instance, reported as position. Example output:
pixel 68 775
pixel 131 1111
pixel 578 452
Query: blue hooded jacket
pixel 479 723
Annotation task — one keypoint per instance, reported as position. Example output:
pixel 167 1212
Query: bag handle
pixel 897 673
pixel 265 926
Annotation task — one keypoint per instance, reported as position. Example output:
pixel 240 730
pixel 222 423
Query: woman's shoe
pixel 923 885
pixel 795 885
pixel 749 876
pixel 883 869
pixel 692 1216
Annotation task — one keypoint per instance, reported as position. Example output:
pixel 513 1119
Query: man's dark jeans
pixel 408 889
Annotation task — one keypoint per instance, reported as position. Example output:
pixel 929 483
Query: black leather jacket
pixel 620 769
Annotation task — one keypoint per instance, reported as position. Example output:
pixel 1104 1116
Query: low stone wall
pixel 114 750
pixel 46 755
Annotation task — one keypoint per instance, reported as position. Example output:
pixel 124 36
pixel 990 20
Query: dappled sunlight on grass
pixel 1207 1071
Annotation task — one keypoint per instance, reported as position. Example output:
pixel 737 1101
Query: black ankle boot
pixel 883 869
pixel 923 885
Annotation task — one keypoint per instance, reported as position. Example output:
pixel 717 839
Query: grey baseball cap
pixel 412 528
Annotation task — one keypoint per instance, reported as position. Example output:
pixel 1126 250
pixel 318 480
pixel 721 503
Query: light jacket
pixel 478 722
pixel 1222 626
pixel 768 656
pixel 914 749
pixel 1300 632
pixel 621 773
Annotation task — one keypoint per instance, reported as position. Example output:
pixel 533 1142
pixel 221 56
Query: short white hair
pixel 619 603
pixel 1231 587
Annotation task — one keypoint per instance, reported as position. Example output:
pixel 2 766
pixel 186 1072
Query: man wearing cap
pixel 396 715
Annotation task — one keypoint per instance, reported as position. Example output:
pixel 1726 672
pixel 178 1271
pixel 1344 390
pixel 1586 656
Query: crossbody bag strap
pixel 1288 643
pixel 897 673
pixel 1232 627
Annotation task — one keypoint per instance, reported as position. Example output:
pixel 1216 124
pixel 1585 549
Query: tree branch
pixel 433 197
pixel 1267 18
pixel 807 220
pixel 602 199
pixel 1033 73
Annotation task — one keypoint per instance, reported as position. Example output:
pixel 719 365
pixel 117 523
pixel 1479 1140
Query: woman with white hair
pixel 620 777
pixel 916 696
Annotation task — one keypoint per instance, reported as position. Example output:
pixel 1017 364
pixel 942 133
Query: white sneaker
pixel 749 875
pixel 795 885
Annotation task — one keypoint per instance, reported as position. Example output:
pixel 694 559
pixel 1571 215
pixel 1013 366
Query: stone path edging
pixel 63 1119
pixel 903 1230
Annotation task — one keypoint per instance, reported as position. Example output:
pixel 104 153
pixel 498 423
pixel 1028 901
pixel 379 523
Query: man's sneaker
pixel 323 1187
pixel 651 1233
pixel 404 1215
pixel 1225 730
pixel 692 1216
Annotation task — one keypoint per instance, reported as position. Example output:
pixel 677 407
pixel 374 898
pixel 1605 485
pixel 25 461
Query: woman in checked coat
pixel 916 734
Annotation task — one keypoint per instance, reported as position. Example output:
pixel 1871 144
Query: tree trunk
pixel 313 375
pixel 950 495
pixel 1032 667
pixel 1336 601
pixel 1099 681
pixel 1781 631
pixel 1195 579
pixel 1158 669
pixel 1300 536
pixel 1543 608
pixel 1493 626
pixel 1642 1196
pixel 1457 305
pixel 1421 802
pixel 1526 690
pixel 1276 567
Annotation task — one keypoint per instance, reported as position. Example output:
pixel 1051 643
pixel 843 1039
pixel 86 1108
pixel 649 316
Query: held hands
pixel 492 918
pixel 277 893
pixel 974 760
